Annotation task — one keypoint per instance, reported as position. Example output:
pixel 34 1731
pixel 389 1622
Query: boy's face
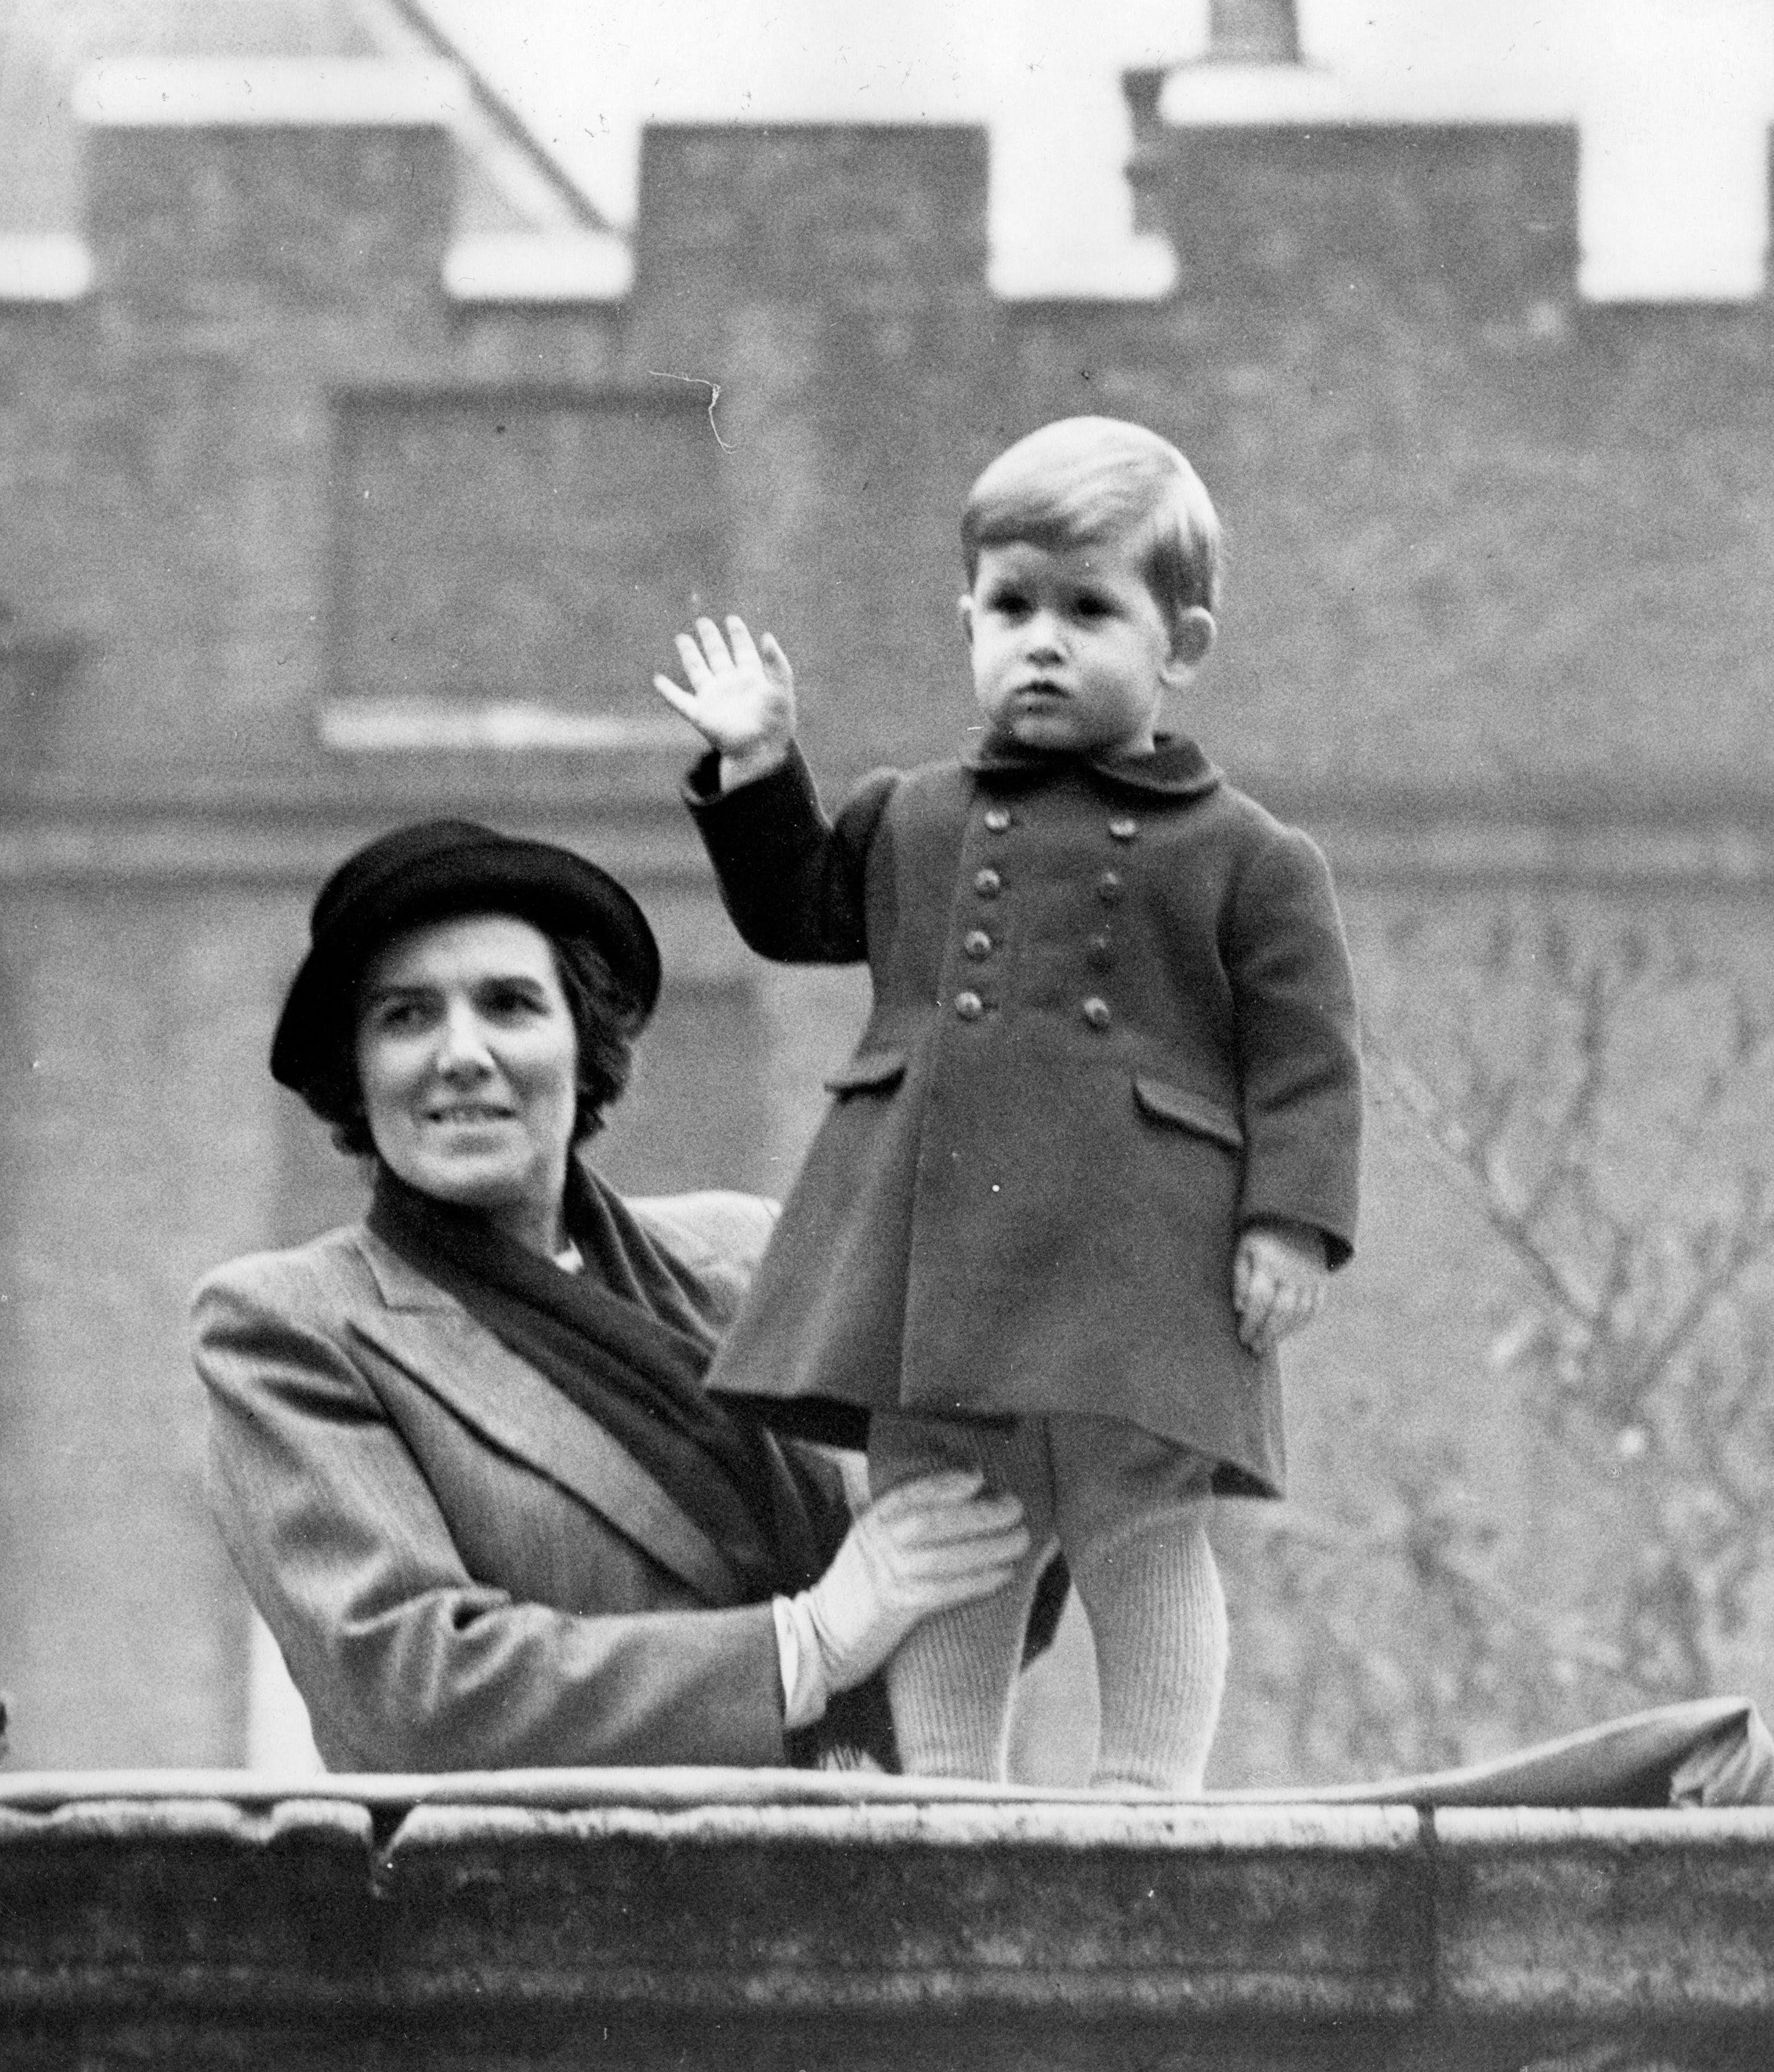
pixel 1070 652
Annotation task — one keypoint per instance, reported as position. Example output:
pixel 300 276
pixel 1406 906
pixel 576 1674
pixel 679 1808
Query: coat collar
pixel 1178 770
pixel 434 1341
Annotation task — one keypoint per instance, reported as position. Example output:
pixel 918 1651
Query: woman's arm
pixel 406 1661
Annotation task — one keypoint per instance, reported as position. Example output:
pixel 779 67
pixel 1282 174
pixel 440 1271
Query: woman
pixel 460 1453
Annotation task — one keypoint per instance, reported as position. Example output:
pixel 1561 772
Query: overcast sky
pixel 1674 97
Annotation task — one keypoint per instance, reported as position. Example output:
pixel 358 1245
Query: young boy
pixel 1097 1149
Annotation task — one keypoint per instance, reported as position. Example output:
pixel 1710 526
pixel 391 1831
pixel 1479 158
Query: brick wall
pixel 1487 543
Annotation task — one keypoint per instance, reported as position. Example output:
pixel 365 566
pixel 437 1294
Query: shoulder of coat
pixel 947 776
pixel 717 1227
pixel 1270 858
pixel 299 1277
pixel 1263 827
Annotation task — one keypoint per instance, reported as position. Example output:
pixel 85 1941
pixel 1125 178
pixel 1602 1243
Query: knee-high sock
pixel 1157 1616
pixel 950 1683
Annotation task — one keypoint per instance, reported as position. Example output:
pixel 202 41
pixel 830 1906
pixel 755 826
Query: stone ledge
pixel 381 726
pixel 1033 1904
pixel 681 1903
pixel 295 841
pixel 1078 1908
pixel 625 796
pixel 1583 1911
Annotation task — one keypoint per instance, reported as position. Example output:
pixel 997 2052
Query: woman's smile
pixel 468 1113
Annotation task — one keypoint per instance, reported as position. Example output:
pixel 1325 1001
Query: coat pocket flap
pixel 867 1069
pixel 1188 1111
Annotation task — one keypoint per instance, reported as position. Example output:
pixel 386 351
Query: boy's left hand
pixel 741 698
pixel 1278 1281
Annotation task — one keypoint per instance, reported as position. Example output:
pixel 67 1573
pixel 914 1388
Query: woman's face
pixel 468 1060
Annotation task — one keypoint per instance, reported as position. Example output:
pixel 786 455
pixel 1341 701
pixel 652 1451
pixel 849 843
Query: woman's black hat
pixel 430 872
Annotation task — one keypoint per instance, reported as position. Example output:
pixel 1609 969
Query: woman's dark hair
pixel 606 1021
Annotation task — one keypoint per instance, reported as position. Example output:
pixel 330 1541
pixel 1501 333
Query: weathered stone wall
pixel 193 1930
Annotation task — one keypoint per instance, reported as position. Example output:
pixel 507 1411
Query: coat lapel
pixel 434 1340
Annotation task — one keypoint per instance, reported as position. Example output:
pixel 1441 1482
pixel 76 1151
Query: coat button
pixel 1096 1012
pixel 987 883
pixel 969 1006
pixel 997 818
pixel 977 942
pixel 1109 887
pixel 1124 827
pixel 1101 953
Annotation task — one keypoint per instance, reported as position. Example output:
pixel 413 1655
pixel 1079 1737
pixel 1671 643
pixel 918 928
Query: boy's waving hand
pixel 741 698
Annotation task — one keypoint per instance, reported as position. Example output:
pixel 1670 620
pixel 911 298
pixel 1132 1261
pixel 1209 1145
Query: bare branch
pixel 1454 1142
pixel 1326 1534
pixel 1748 1245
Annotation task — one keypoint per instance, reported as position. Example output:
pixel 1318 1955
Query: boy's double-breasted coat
pixel 1113 1024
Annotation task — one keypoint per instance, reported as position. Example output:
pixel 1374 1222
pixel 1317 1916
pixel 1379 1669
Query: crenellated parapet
pixel 1465 224
pixel 1451 485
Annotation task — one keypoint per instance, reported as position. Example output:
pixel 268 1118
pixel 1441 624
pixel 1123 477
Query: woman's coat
pixel 1113 1025
pixel 464 1570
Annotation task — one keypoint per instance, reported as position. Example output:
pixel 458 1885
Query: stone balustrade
pixel 732 1919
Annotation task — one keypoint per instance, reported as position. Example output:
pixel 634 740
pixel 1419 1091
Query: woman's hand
pixel 926 1545
pixel 741 698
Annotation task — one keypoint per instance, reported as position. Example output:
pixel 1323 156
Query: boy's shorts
pixel 1083 1482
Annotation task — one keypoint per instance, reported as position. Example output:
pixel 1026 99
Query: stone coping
pixel 1712 1754
pixel 407 726
pixel 711 1805
pixel 256 92
pixel 1256 96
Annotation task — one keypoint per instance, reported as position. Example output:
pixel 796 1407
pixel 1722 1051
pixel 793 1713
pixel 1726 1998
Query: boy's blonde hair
pixel 1085 479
